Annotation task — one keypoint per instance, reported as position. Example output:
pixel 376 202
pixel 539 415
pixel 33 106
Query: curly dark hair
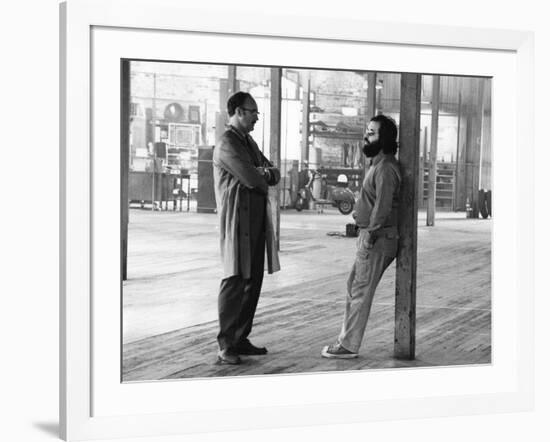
pixel 388 133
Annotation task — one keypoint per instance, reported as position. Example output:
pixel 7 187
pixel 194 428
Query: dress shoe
pixel 246 348
pixel 228 356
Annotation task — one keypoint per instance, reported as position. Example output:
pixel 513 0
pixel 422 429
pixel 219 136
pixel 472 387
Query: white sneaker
pixel 336 351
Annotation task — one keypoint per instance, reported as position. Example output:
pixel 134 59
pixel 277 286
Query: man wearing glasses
pixel 242 175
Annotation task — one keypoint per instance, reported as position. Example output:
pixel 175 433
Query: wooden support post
pixel 154 127
pixel 405 277
pixel 227 88
pixel 275 145
pixel 421 167
pixel 371 96
pixel 457 170
pixel 478 146
pixel 467 175
pixel 124 164
pixel 432 175
pixel 371 111
pixel 232 86
pixel 425 146
pixel 486 150
pixel 304 156
pixel 474 150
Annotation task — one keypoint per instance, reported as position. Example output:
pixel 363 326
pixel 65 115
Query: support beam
pixel 457 170
pixel 275 145
pixel 232 86
pixel 421 167
pixel 227 88
pixel 371 110
pixel 478 147
pixel 432 175
pixel 474 149
pixel 371 95
pixel 124 164
pixel 155 139
pixel 405 278
pixel 467 174
pixel 304 155
pixel 486 150
pixel 461 180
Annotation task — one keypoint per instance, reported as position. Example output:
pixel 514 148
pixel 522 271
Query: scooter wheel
pixel 345 207
pixel 300 203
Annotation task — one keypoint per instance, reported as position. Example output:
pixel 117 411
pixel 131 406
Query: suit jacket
pixel 240 192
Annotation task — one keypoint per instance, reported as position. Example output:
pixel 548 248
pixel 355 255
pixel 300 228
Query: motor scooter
pixel 339 196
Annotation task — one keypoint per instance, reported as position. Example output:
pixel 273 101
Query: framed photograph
pixel 143 104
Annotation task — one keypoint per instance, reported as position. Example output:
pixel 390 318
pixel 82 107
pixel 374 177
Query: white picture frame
pixel 89 411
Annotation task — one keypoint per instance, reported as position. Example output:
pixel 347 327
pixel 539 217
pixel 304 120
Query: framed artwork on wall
pixel 97 38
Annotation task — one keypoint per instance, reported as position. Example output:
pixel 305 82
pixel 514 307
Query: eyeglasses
pixel 254 111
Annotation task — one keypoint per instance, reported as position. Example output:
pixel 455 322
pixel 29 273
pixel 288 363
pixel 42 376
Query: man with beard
pixel 242 175
pixel 376 217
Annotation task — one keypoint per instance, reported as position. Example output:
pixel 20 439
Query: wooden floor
pixel 170 297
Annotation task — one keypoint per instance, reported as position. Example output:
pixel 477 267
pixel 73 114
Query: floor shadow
pixel 51 428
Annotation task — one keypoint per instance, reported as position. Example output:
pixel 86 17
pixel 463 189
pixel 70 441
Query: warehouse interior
pixel 312 124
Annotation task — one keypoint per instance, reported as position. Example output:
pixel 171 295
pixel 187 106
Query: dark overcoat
pixel 238 186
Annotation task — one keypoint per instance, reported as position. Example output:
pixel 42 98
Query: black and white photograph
pixel 275 221
pixel 291 220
